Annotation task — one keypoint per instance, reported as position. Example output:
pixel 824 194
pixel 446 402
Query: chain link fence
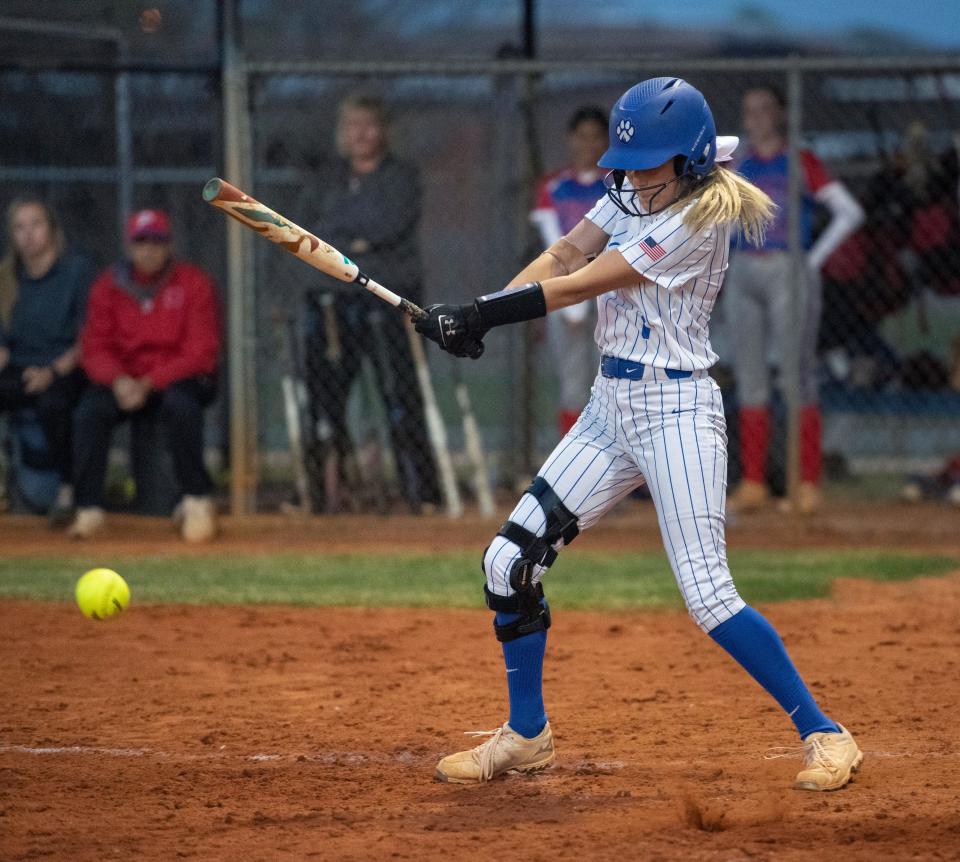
pixel 471 142
pixel 889 346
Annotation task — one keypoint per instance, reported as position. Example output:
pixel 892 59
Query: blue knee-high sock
pixel 524 660
pixel 755 644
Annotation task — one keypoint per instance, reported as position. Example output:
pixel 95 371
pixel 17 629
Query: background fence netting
pixel 471 146
pixel 889 345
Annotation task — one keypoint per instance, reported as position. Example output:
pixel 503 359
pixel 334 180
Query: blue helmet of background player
pixel 653 122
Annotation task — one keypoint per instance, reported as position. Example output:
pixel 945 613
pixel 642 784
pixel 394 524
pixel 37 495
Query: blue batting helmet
pixel 657 120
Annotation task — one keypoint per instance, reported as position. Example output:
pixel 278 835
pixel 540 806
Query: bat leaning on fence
pixel 474 448
pixel 292 386
pixel 324 257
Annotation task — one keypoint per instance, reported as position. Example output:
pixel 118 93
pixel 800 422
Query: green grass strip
pixel 578 580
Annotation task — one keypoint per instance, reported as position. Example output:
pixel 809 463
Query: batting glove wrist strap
pixel 511 306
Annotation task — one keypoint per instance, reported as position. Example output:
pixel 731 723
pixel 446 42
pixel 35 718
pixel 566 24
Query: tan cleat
pixel 809 500
pixel 504 751
pixel 749 496
pixel 199 522
pixel 87 522
pixel 829 761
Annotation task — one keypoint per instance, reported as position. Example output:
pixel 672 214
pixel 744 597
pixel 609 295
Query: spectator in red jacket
pixel 149 346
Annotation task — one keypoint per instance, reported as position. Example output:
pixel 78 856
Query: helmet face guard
pixel 628 201
pixel 653 122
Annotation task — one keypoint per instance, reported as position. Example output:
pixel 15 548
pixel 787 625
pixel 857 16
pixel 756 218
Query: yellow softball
pixel 102 593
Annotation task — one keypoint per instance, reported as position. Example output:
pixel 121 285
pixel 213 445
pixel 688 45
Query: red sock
pixel 811 434
pixel 754 440
pixel 566 419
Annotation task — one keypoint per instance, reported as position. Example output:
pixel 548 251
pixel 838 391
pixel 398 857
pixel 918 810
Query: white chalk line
pixel 75 749
pixel 339 758
pixel 356 758
pixel 331 758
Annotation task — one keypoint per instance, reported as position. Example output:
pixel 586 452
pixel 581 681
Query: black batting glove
pixel 459 329
pixel 456 328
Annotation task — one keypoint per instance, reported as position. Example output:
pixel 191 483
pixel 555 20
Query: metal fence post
pixel 533 169
pixel 791 359
pixel 505 177
pixel 124 135
pixel 240 274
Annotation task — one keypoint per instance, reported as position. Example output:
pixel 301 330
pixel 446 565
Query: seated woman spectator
pixel 43 294
pixel 150 345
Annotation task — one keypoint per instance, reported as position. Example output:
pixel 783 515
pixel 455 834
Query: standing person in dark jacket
pixel 43 294
pixel 371 212
pixel 150 346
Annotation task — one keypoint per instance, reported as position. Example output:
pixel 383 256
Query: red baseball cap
pixel 149 224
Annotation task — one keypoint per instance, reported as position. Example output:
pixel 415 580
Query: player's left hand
pixel 456 328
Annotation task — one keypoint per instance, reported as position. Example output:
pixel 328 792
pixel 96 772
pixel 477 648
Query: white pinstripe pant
pixel 673 435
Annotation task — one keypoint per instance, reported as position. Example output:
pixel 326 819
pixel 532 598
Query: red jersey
pixel 167 333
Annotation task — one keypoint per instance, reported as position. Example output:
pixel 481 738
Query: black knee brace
pixel 527 599
pixel 530 604
pixel 561 524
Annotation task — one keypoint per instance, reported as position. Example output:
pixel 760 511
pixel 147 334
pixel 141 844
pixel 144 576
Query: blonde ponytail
pixel 725 196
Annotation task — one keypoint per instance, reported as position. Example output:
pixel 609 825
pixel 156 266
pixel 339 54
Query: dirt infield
pixel 254 733
pixel 633 526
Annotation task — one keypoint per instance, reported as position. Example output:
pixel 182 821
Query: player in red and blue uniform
pixel 759 301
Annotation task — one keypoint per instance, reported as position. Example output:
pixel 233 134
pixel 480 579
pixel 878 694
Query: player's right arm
pixel 608 272
pixel 448 325
pixel 566 256
pixel 459 329
pixel 670 254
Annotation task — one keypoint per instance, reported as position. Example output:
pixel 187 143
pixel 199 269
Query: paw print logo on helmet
pixel 625 130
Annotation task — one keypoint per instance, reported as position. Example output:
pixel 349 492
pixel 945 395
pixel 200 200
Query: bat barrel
pixel 212 189
pixel 216 190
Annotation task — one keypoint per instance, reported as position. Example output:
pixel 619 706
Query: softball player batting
pixel 653 252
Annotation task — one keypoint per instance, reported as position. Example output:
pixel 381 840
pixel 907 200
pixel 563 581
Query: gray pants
pixel 575 358
pixel 758 306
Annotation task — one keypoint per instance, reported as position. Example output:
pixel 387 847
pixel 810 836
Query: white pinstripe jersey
pixel 664 320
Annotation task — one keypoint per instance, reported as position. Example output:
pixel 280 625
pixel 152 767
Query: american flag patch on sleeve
pixel 652 249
